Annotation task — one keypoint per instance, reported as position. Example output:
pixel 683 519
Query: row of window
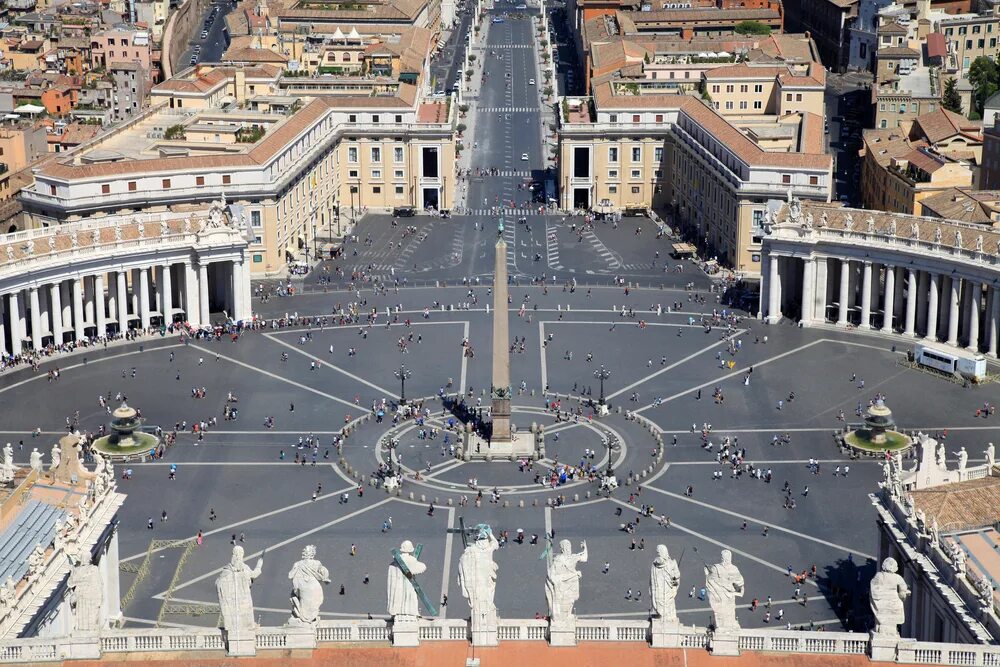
pixel 636 154
pixel 744 88
pixel 963 30
pixel 636 118
pixel 376 174
pixel 376 154
pixel 757 104
pixel 376 118
pixel 635 174
pixel 133 186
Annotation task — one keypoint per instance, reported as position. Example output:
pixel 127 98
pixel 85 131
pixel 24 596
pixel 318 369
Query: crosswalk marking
pixel 509 109
pixel 504 211
pixel 510 46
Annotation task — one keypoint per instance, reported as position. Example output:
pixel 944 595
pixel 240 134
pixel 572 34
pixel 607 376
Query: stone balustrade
pixel 379 632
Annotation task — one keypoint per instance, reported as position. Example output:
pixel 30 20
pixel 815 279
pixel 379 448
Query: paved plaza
pixel 237 474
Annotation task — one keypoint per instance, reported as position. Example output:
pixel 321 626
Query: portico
pixel 888 272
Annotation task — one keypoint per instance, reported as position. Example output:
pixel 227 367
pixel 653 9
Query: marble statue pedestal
pixel 484 631
pixel 82 647
pixel 563 634
pixel 242 644
pixel 665 634
pixel 602 410
pixel 724 643
pixel 521 445
pixel 405 632
pixel 300 635
pixel 890 648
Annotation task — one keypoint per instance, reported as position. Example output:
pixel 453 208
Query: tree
pixel 951 100
pixel 751 28
pixel 985 79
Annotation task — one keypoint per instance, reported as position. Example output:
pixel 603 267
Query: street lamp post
pixel 602 374
pixel 402 375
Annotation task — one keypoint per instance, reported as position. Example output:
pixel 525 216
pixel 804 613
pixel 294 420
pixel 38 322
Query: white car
pixel 531 82
pixel 524 156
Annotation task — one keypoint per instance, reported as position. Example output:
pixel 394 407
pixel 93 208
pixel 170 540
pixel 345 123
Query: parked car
pixel 404 212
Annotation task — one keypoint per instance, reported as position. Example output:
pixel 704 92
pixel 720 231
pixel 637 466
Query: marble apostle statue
pixel 562 582
pixel 664 578
pixel 724 584
pixel 87 598
pixel 35 460
pixel 308 576
pixel 990 453
pixel 236 603
pixel 477 575
pixel 403 601
pixel 887 593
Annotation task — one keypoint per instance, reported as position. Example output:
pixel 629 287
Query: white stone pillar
pixel 144 298
pixel 100 306
pixel 953 310
pixel 3 327
pixel 56 312
pixel 203 313
pixel 167 296
pixel 89 300
pixel 866 296
pixel 122 301
pixel 932 307
pixel 774 291
pixel 192 311
pixel 245 289
pixel 845 281
pixel 911 302
pixel 820 290
pixel 808 290
pixel 66 300
pixel 78 331
pixel 890 298
pixel 16 323
pixel 765 277
pixel 36 319
pixel 112 598
pixel 977 297
pixel 994 324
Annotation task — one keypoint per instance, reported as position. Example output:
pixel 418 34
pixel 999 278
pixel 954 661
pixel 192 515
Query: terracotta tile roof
pixel 924 160
pixel 252 55
pixel 936 45
pixel 897 52
pixel 960 204
pixel 943 124
pixel 432 113
pixel 893 28
pixel 962 505
pixel 700 15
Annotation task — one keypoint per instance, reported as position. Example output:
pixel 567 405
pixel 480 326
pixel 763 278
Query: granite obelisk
pixel 500 391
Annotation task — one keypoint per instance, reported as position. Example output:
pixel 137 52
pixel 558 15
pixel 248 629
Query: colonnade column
pixel 143 298
pixel 977 297
pixel 774 292
pixel 78 331
pixel 3 328
pixel 55 313
pixel 100 306
pixel 866 296
pixel 36 319
pixel 932 307
pixel 953 310
pixel 16 330
pixel 992 323
pixel 890 298
pixel 845 278
pixel 166 299
pixel 122 302
pixel 203 313
pixel 765 277
pixel 911 302
pixel 808 289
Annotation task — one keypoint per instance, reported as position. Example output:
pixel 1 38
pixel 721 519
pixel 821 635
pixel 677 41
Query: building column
pixel 78 332
pixel 911 302
pixel 112 598
pixel 953 310
pixel 932 307
pixel 245 290
pixel 866 296
pixel 889 303
pixel 808 290
pixel 994 325
pixel 122 301
pixel 3 328
pixel 100 306
pixel 845 282
pixel 36 319
pixel 55 312
pixel 977 297
pixel 192 311
pixel 89 300
pixel 144 298
pixel 819 289
pixel 765 277
pixel 774 291
pixel 16 326
pixel 167 297
pixel 203 313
